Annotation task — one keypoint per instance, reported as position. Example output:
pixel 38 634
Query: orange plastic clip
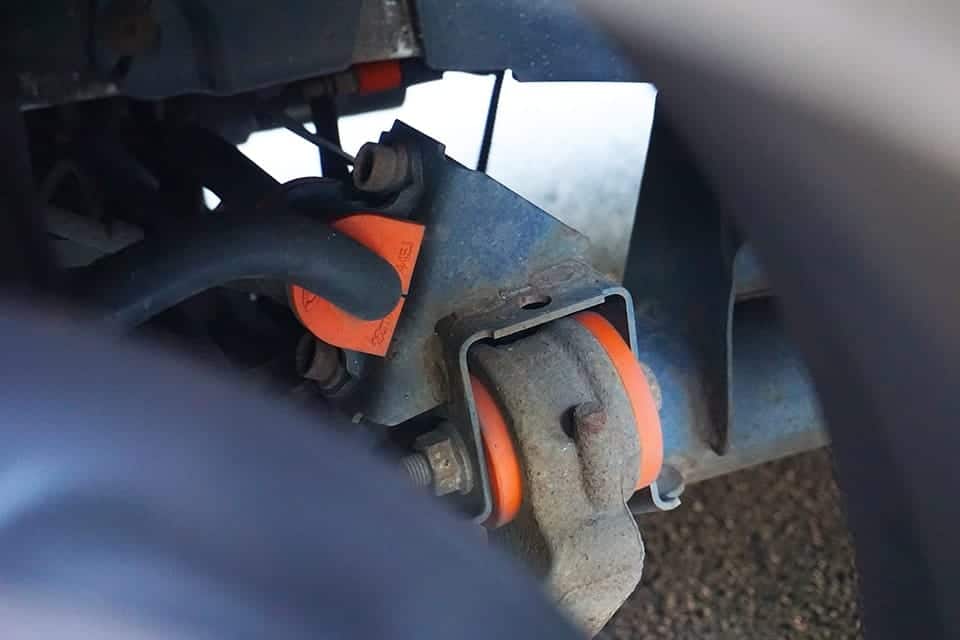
pixel 374 77
pixel 396 241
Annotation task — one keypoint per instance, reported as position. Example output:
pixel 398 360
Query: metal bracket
pixel 483 244
pixel 555 293
pixel 680 273
pixel 574 431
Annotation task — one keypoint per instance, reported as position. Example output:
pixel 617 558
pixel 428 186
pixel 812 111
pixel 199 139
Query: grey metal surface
pixel 574 430
pixel 482 241
pixel 540 40
pixel 418 470
pixel 664 493
pixel 385 32
pixel 680 273
pixel 228 47
pixel 775 410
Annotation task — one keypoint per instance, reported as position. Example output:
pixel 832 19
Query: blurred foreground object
pixel 146 494
pixel 796 114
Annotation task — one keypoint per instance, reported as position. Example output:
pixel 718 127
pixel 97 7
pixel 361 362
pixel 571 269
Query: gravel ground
pixel 759 554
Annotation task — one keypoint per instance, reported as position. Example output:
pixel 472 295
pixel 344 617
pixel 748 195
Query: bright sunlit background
pixel 574 149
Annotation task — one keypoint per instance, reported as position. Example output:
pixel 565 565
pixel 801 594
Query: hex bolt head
pixel 449 465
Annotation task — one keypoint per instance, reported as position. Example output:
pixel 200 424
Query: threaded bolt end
pixel 418 469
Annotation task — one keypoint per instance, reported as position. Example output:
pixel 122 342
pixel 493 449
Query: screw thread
pixel 418 469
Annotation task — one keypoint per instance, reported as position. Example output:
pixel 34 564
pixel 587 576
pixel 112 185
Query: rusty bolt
pixel 418 469
pixel 379 169
pixel 589 417
pixel 318 361
pixel 447 460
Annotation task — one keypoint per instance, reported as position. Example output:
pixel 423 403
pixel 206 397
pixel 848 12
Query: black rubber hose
pixel 142 281
pixel 217 165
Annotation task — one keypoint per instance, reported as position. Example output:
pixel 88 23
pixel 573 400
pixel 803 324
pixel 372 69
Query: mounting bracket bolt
pixel 440 462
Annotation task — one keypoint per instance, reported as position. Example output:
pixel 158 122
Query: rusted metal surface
pixel 575 434
pixel 559 292
pixel 484 246
pixel 380 169
pixel 450 468
pixel 492 265
pixel 385 32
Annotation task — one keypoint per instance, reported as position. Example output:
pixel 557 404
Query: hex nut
pixel 380 169
pixel 447 461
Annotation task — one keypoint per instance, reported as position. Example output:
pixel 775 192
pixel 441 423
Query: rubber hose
pixel 217 165
pixel 145 279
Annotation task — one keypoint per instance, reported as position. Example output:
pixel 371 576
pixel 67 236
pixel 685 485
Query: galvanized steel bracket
pixel 554 293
